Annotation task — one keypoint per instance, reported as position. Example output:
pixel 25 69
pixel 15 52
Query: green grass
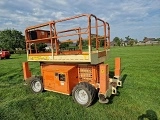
pixel 140 92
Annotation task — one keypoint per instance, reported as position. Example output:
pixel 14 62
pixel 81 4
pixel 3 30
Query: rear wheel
pixel 36 84
pixel 7 57
pixel 84 94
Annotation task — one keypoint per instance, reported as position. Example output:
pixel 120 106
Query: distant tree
pixel 64 45
pixel 85 44
pixel 158 39
pixel 130 41
pixel 122 42
pixel 93 42
pixel 117 41
pixel 11 39
pixel 136 41
pixel 128 38
pixel 41 46
pixel 144 39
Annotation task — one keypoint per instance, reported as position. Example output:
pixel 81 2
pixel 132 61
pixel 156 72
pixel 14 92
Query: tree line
pixel 123 42
pixel 128 41
pixel 11 39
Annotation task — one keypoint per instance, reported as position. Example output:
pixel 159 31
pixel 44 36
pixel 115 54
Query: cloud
pixel 134 18
pixel 58 15
pixel 1 2
pixel 61 2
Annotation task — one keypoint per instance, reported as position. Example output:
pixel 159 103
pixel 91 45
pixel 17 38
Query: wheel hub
pixel 81 96
pixel 36 86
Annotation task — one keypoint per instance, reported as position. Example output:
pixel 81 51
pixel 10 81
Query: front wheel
pixel 36 85
pixel 84 94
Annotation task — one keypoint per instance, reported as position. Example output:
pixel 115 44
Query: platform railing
pixel 55 35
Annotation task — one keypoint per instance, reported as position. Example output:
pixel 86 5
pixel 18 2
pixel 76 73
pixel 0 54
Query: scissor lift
pixel 78 70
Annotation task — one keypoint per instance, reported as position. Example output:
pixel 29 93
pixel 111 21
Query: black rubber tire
pixel 8 57
pixel 33 81
pixel 86 88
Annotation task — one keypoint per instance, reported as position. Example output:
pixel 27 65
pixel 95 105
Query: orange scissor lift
pixel 78 70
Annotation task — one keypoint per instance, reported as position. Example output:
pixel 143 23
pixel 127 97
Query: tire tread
pixel 89 88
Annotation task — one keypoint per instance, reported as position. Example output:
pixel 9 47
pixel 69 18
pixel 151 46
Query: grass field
pixel 139 96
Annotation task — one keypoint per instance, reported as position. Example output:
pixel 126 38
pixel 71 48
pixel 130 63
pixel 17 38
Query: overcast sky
pixel 136 18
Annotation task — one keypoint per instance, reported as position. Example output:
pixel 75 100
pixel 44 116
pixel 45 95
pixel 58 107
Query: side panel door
pixel 61 82
pixel 48 80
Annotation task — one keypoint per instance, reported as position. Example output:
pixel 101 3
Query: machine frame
pixel 78 72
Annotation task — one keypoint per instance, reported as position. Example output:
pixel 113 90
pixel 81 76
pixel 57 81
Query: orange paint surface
pixel 103 78
pixel 117 70
pixel 60 78
pixel 26 71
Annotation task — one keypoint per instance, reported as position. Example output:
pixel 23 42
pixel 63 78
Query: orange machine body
pixel 62 78
pixel 59 78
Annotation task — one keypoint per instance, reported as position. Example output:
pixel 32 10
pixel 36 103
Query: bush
pixel 20 52
pixel 11 51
